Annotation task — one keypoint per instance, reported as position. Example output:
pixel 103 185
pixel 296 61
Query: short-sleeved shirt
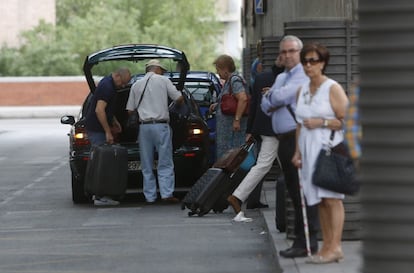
pixel 353 130
pixel 154 104
pixel 236 83
pixel 226 137
pixel 104 91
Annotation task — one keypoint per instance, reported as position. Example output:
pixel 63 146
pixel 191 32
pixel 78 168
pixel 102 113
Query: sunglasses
pixel 311 61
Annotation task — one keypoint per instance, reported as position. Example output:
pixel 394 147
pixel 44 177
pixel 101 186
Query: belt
pixel 287 135
pixel 153 121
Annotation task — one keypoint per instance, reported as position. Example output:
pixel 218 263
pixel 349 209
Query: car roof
pixel 136 52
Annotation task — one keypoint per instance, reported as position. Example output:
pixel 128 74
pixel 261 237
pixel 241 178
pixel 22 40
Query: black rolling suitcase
pixel 215 196
pixel 107 171
pixel 212 188
pixel 205 185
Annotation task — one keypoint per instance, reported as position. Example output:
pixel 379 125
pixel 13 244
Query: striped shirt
pixel 353 130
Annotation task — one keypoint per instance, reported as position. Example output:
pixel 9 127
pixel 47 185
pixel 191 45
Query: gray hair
pixel 292 38
pixel 150 68
pixel 123 72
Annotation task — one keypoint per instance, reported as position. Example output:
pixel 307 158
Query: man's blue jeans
pixel 156 137
pixel 96 138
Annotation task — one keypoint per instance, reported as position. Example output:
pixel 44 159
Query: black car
pixel 190 130
pixel 205 87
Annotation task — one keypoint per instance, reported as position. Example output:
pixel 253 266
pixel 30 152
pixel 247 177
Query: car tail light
pixel 195 133
pixel 80 137
pixel 190 154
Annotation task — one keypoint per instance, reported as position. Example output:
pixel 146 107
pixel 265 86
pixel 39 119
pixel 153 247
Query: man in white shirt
pixel 154 131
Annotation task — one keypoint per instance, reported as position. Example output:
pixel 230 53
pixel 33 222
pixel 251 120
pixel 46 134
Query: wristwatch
pixel 236 118
pixel 325 123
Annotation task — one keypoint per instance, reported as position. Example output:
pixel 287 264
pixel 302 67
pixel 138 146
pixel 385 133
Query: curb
pixel 16 112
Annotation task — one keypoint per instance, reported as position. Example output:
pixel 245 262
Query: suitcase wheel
pixel 202 213
pixel 193 212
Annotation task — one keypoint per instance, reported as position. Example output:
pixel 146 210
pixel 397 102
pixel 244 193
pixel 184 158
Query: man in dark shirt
pixel 259 125
pixel 100 119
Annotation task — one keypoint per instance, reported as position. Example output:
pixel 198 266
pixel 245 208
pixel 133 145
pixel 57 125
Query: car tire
pixel 78 193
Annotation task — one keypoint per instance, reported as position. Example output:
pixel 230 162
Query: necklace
pixel 308 95
pixel 317 85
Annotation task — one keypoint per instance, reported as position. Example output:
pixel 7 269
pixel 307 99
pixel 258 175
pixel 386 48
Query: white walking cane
pixel 305 215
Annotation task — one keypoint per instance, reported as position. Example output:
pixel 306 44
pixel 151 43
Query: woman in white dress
pixel 321 107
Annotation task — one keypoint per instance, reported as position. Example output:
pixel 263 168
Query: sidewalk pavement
pixel 37 111
pixel 352 249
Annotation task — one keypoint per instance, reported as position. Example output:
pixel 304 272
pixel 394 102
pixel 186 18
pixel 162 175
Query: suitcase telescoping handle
pixel 249 144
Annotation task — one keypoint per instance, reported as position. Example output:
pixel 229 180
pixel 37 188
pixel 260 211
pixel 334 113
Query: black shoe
pixel 257 206
pixel 170 200
pixel 295 252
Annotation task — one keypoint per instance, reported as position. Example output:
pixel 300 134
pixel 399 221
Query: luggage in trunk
pixel 107 171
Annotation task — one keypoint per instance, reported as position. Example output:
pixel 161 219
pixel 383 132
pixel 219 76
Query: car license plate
pixel 134 165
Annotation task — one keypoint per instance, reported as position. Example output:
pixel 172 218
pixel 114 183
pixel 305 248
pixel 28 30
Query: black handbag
pixel 133 120
pixel 335 170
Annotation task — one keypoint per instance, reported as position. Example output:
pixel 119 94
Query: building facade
pixel 266 18
pixel 21 15
pixel 330 22
pixel 228 13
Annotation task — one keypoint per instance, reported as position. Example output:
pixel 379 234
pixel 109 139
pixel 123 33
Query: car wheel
pixel 78 194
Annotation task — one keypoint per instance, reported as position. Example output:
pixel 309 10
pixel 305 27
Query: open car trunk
pixel 178 120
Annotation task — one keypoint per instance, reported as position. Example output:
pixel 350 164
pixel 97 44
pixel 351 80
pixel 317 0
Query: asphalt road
pixel 42 231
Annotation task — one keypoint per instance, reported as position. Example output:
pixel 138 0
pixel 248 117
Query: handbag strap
pixel 145 88
pixel 330 143
pixel 230 86
pixel 332 135
pixel 289 107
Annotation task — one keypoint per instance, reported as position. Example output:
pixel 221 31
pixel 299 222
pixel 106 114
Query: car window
pixel 203 93
pixel 195 106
